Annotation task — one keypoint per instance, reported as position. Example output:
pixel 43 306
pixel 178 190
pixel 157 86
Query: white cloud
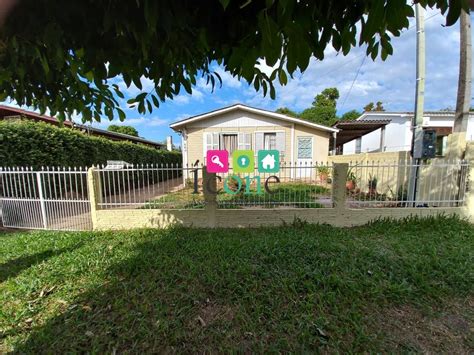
pixel 132 91
pixel 228 81
pixel 392 81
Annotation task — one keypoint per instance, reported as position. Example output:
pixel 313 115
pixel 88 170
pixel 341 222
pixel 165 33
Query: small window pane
pixel 305 148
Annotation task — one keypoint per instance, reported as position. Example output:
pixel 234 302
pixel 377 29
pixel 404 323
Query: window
pixel 358 145
pixel 228 142
pixel 269 141
pixel 441 144
pixel 305 148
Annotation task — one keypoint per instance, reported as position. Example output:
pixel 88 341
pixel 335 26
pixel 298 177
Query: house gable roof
pixel 180 124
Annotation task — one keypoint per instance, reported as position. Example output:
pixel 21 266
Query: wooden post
pixel 209 186
pixel 339 185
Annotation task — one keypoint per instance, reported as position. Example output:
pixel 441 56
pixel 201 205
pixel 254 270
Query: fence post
pixel 209 187
pixel 339 185
pixel 93 186
pixel 41 198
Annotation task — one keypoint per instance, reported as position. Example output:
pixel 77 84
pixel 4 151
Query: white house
pixel 241 127
pixel 396 133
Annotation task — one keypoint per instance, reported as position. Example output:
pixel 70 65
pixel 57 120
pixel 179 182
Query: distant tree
pixel 351 115
pixel 328 97
pixel 323 110
pixel 131 131
pixel 378 106
pixel 369 107
pixel 320 115
pixel 286 111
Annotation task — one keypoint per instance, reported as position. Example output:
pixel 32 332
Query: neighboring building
pixel 395 131
pixel 13 113
pixel 243 127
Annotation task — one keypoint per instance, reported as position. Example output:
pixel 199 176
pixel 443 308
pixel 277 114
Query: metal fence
pixel 407 184
pixel 300 185
pixel 50 198
pixel 58 198
pixel 173 186
pixel 164 186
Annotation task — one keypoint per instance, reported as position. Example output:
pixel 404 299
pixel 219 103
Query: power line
pixel 353 82
pixel 365 56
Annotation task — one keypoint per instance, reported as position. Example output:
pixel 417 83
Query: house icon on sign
pixel 268 163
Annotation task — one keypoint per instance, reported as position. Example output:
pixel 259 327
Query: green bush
pixel 26 143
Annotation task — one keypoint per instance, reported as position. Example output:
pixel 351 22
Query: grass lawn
pixel 284 194
pixel 389 286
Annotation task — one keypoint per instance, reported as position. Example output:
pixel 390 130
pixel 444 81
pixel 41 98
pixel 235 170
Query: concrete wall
pixel 211 216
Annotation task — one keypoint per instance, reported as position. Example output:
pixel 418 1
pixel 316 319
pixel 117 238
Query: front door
pixel 304 162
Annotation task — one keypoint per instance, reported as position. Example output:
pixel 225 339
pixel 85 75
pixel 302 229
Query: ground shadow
pixel 13 267
pixel 187 292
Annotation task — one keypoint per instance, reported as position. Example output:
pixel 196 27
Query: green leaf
pixel 224 3
pixel 121 114
pixel 283 77
pixel 453 12
pixel 89 76
pixel 155 101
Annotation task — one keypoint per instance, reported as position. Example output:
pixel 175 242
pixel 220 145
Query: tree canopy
pixel 131 131
pixel 323 109
pixel 351 115
pixel 287 111
pixel 66 56
pixel 378 106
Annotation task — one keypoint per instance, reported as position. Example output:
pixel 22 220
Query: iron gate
pixel 50 198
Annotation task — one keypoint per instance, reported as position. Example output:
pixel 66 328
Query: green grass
pixel 389 286
pixel 284 194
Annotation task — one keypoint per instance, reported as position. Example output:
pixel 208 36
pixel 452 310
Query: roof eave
pixel 175 126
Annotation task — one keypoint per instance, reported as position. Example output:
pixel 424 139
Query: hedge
pixel 36 144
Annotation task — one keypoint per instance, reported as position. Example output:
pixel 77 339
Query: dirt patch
pixel 449 329
pixel 209 313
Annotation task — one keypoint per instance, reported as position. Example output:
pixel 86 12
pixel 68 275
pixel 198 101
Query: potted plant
pixel 323 172
pixel 351 181
pixel 372 184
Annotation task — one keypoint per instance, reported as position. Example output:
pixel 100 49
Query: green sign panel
pixel 268 161
pixel 243 161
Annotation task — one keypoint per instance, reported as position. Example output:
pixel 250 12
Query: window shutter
pixel 215 141
pixel 258 141
pixel 280 143
pixel 207 143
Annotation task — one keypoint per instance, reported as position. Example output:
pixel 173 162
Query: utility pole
pixel 417 129
pixel 463 102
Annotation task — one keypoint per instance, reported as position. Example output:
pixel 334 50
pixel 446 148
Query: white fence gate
pixel 51 198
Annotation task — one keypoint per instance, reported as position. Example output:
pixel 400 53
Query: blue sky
pixel 391 81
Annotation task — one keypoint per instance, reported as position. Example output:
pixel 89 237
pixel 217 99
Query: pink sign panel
pixel 217 161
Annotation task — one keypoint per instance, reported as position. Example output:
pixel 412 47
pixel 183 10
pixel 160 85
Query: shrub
pixel 26 143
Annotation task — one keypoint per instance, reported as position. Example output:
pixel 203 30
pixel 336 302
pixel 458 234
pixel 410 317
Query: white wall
pixel 470 128
pixel 398 134
pixel 397 138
